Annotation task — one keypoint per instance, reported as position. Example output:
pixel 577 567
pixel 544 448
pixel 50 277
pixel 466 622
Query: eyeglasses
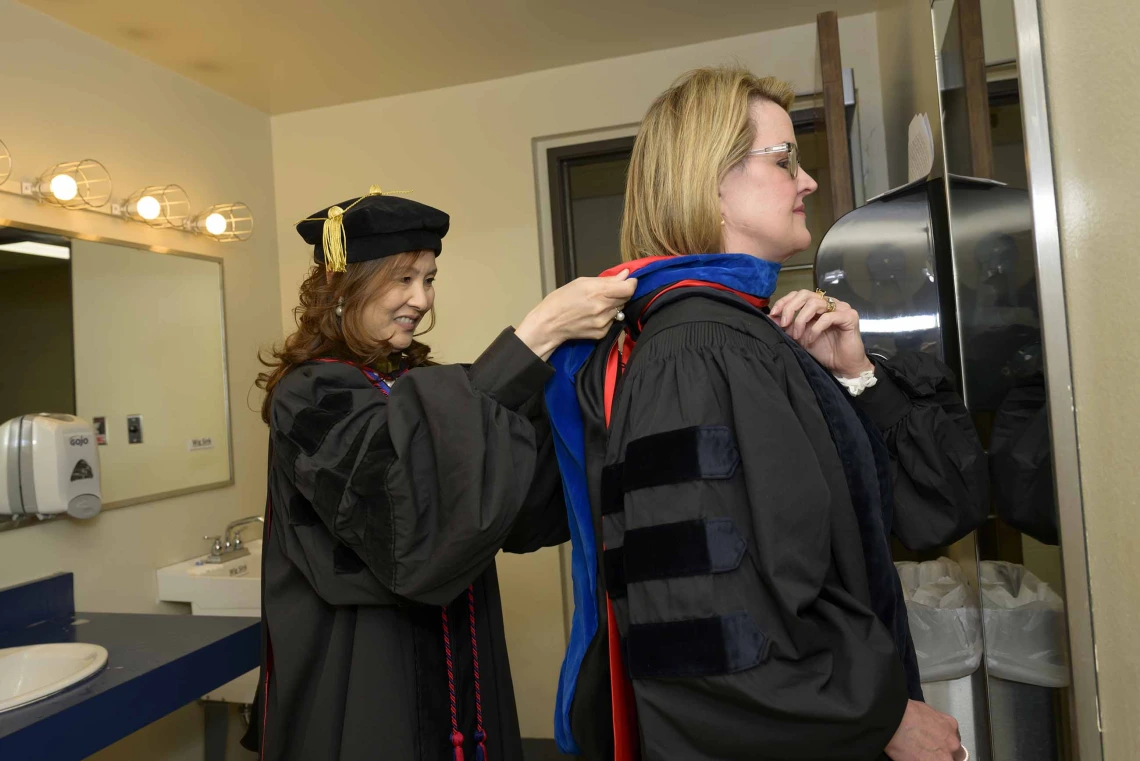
pixel 791 149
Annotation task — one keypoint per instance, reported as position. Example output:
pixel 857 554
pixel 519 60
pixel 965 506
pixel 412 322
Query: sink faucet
pixel 234 529
pixel 229 545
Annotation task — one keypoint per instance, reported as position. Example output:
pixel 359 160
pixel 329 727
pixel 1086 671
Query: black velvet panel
pixel 613 496
pixel 285 451
pixel 330 483
pixel 345 561
pixel 866 468
pixel 686 454
pixel 328 490
pixel 372 473
pixel 687 548
pixel 301 512
pixel 312 424
pixel 697 647
pixel 614 562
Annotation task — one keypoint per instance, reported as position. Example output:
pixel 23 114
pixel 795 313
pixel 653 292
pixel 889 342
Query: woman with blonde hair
pixel 733 473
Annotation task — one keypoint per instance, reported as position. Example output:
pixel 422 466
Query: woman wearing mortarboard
pixel 734 589
pixel 393 483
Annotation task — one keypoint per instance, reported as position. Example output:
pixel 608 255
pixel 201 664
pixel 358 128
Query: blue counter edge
pixel 48 599
pixel 78 730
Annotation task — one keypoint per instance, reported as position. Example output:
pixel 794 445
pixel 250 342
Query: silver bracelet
pixel 856 386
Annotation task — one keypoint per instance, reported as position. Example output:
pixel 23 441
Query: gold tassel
pixel 335 241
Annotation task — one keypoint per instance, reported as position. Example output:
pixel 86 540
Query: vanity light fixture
pixel 86 186
pixel 82 184
pixel 158 206
pixel 224 222
pixel 5 163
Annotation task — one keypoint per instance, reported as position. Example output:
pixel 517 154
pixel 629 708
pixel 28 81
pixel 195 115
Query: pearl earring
pixel 339 311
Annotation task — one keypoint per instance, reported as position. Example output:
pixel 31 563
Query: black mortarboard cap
pixel 372 227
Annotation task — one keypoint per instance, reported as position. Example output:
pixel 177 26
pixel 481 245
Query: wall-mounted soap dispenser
pixel 49 464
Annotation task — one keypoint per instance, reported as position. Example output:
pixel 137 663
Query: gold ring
pixel 830 304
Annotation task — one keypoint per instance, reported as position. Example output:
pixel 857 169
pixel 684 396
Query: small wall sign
pixel 100 424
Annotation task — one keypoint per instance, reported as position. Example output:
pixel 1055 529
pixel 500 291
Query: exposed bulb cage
pixel 82 184
pixel 224 222
pixel 5 163
pixel 159 206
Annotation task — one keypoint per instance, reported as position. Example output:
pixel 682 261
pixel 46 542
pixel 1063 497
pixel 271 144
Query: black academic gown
pixel 382 510
pixel 734 558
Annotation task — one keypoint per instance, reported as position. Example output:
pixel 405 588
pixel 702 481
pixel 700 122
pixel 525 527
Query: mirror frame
pixel 33 520
pixel 1059 380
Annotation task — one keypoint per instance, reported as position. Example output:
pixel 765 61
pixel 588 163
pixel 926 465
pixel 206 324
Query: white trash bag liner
pixel 1026 639
pixel 945 619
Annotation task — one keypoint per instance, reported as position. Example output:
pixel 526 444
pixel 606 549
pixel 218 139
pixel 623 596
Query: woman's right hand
pixel 583 308
pixel 926 735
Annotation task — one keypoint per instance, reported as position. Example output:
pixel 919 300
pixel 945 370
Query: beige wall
pixel 71 96
pixel 468 150
pixel 1091 60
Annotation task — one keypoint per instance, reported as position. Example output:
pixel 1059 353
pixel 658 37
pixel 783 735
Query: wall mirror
pixel 962 262
pixel 129 339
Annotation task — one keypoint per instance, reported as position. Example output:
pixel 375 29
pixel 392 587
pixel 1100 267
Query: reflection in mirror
pixel 35 305
pixel 130 340
pixel 890 259
pixel 1004 386
pixel 946 266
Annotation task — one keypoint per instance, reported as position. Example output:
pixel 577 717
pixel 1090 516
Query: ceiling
pixel 286 55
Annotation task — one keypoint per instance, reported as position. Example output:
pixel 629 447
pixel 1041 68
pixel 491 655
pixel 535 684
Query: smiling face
pixel 761 204
pixel 395 311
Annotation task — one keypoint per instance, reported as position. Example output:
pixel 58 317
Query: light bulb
pixel 64 187
pixel 216 224
pixel 148 207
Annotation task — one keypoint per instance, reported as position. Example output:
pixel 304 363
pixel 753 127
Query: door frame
pixel 559 160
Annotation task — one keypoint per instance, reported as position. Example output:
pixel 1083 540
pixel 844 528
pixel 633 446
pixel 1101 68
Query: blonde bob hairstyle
pixel 693 134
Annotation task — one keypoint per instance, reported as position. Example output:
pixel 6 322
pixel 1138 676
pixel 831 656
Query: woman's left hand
pixel 833 338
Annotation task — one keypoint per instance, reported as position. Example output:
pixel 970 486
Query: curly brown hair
pixel 320 333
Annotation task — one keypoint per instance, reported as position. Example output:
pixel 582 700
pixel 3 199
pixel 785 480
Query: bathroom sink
pixel 243 567
pixel 32 673
pixel 232 588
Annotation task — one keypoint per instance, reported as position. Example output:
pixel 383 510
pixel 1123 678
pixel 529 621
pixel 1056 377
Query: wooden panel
pixel 977 95
pixel 835 116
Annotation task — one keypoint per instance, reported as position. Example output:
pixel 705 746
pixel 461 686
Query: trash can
pixel 1026 637
pixel 946 627
pixel 1027 659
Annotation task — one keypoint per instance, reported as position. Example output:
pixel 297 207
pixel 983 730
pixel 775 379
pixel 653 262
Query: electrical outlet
pixel 134 429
